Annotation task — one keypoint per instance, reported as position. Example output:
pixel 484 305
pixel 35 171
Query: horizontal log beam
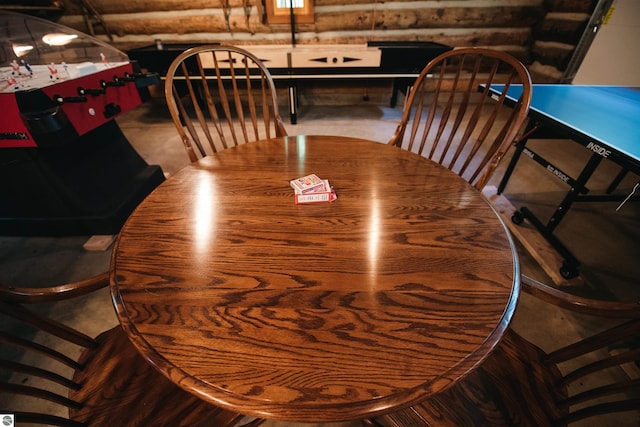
pixel 136 6
pixel 562 28
pixel 239 21
pixel 576 6
pixel 105 7
pixel 457 17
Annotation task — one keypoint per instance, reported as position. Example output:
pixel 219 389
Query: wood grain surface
pixel 314 313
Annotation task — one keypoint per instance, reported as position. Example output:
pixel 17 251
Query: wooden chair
pixel 522 385
pixel 449 120
pixel 222 95
pixel 109 384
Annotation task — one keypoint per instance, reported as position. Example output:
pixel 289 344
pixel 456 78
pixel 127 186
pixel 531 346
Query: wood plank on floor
pixel 99 242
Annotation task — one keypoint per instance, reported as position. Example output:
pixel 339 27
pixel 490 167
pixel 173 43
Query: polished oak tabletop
pixel 321 312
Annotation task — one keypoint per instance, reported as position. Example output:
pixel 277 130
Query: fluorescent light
pixel 58 39
pixel 21 49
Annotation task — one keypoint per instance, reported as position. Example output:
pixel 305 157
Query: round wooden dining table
pixel 314 312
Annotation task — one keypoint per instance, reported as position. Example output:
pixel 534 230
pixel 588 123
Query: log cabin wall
pixel 541 33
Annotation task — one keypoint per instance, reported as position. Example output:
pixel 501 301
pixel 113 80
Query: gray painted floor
pixel 606 242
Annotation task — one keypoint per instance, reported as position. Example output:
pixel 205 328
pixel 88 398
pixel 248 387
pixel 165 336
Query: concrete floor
pixel 606 242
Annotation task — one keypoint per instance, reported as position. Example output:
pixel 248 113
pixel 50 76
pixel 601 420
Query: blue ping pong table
pixel 604 119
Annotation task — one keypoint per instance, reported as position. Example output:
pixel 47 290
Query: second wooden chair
pixel 450 118
pixel 221 96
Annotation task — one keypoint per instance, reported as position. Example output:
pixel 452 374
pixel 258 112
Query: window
pixel 279 11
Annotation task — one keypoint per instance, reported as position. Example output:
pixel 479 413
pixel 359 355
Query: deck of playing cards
pixel 313 189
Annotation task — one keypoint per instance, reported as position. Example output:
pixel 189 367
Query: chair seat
pixel 511 388
pixel 120 388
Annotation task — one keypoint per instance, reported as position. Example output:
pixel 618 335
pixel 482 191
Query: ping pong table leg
pixel 617 180
pixel 569 268
pixel 573 192
pixel 520 145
